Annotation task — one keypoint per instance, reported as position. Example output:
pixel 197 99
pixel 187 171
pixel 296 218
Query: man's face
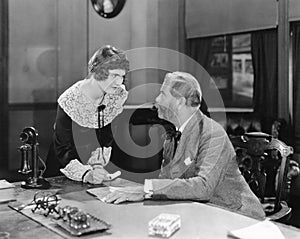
pixel 167 104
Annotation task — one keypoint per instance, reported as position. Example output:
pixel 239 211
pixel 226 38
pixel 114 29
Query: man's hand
pixel 126 194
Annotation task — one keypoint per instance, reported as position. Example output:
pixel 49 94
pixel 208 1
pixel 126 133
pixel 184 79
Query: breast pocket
pixel 189 168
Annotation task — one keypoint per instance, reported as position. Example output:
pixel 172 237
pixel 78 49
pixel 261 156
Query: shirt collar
pixel 186 122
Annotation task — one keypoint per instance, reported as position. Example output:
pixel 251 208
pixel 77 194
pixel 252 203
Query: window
pixel 230 65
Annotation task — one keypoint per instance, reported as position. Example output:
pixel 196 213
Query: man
pixel 203 167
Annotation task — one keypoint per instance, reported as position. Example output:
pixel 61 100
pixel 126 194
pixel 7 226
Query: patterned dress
pixel 76 131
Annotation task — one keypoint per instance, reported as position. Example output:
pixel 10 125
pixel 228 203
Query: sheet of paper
pixel 7 195
pixel 264 229
pixel 4 184
pixel 101 192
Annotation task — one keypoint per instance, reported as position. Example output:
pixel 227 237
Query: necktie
pixel 101 116
pixel 100 121
pixel 170 145
pixel 173 136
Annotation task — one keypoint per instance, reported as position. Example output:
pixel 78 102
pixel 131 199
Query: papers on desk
pixel 7 193
pixel 4 184
pixel 101 193
pixel 264 229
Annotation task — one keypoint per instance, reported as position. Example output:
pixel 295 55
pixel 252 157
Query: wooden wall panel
pixel 47 53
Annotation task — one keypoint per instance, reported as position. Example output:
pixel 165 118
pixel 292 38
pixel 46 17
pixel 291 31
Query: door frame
pixel 4 69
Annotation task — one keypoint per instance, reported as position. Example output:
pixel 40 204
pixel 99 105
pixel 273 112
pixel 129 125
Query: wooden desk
pixel 129 220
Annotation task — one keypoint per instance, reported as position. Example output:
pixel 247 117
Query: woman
pixel 91 103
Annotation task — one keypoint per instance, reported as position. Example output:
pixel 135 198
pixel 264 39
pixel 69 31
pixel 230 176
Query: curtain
pixel 199 50
pixel 264 58
pixel 296 84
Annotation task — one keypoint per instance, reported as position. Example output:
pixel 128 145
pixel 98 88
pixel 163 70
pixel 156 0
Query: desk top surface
pixel 129 220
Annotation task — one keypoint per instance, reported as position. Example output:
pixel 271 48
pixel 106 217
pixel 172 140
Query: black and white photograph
pixel 150 119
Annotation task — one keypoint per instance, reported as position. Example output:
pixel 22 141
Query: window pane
pixel 242 77
pixel 231 68
pixel 242 85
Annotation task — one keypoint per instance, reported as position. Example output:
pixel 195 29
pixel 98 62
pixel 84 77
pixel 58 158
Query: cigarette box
pixel 164 225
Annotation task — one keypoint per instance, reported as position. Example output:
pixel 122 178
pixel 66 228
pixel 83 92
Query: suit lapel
pixel 187 147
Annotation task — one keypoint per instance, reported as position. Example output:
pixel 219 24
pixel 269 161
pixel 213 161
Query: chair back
pixel 263 150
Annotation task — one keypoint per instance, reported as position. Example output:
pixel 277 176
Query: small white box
pixel 164 225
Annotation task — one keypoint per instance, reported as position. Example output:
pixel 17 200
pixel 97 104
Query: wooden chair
pixel 257 153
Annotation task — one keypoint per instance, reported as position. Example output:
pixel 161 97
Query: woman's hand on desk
pixel 96 176
pixel 126 194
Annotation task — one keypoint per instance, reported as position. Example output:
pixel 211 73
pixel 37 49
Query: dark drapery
pixel 296 84
pixel 199 50
pixel 264 57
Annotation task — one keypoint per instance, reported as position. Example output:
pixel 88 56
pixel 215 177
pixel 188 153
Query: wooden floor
pixel 294 201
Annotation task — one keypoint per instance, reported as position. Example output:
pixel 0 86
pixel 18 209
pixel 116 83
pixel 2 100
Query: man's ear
pixel 181 102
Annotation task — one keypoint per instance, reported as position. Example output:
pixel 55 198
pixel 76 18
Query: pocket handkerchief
pixel 187 161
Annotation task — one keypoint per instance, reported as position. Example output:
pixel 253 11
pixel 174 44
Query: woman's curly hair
pixel 107 58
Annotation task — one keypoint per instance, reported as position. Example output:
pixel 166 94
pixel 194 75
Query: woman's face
pixel 114 80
